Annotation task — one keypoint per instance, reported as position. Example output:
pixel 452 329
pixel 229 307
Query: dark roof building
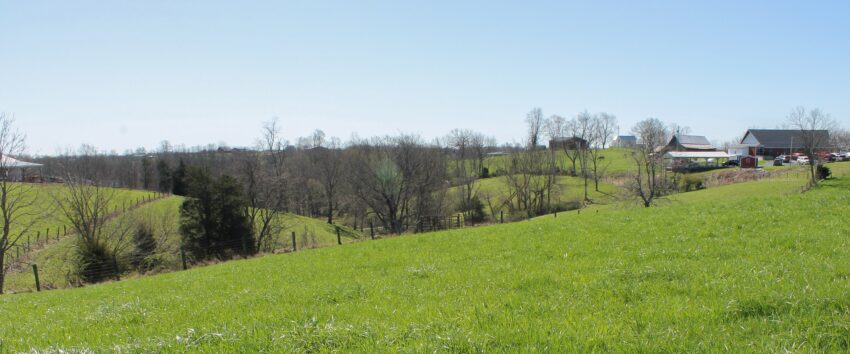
pixel 625 141
pixel 775 142
pixel 571 143
pixel 688 143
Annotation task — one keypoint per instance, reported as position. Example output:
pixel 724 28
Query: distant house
pixel 688 143
pixel 775 142
pixel 624 141
pixel 569 143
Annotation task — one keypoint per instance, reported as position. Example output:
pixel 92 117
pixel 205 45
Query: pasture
pixel 748 267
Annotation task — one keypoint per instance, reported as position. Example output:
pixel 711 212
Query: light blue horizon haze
pixel 120 75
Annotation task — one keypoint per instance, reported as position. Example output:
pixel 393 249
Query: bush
pixel 95 262
pixel 475 212
pixel 485 172
pixel 823 172
pixel 141 257
pixel 690 183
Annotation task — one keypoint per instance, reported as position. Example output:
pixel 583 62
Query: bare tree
pixel 326 162
pixel 583 127
pixel 534 120
pixel 648 180
pixel 604 127
pixel 398 179
pixel 266 187
pixel 839 139
pixel 813 136
pixel 17 211
pixel 86 203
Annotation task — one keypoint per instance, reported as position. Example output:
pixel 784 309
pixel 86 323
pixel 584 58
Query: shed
pixel 688 143
pixel 749 162
pixel 690 160
pixel 12 169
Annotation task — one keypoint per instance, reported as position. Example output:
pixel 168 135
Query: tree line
pixel 235 196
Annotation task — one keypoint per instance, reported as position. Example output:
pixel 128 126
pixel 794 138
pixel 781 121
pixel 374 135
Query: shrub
pixel 475 212
pixel 144 247
pixel 823 172
pixel 690 183
pixel 485 172
pixel 95 262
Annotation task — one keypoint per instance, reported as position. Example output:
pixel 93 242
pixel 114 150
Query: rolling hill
pixel 751 267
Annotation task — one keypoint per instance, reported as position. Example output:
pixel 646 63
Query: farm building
pixel 12 169
pixel 569 143
pixel 688 143
pixel 625 141
pixel 691 152
pixel 694 160
pixel 775 142
pixel 737 151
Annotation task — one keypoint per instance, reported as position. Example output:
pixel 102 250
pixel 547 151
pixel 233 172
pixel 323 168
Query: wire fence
pixel 35 240
pixel 129 265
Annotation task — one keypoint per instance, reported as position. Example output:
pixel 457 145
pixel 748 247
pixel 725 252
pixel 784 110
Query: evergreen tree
pixel 164 173
pixel 178 180
pixel 144 245
pixel 147 174
pixel 213 222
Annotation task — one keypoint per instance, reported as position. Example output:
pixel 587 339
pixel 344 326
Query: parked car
pixel 802 160
pixel 730 163
pixel 778 161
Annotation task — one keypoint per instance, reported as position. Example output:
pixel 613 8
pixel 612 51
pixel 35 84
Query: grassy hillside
pixel 615 162
pixel 44 217
pixel 567 189
pixel 54 258
pixel 751 267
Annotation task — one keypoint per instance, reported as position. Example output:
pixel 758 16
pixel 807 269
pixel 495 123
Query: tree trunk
pixel 330 211
pixel 2 270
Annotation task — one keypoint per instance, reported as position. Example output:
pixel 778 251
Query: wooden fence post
pixel 501 216
pixel 35 273
pixel 338 238
pixel 372 229
pixel 556 214
pixel 294 248
pixel 458 220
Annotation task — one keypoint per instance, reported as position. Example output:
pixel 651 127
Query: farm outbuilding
pixel 688 143
pixel 12 169
pixel 749 162
pixel 625 141
pixel 569 143
pixel 737 151
pixel 693 160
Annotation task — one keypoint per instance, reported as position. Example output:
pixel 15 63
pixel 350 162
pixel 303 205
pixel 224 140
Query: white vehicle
pixel 802 160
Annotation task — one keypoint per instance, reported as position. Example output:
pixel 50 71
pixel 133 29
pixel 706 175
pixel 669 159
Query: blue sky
pixel 124 74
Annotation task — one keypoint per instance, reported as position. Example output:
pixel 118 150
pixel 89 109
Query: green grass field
pixel 567 189
pixel 752 267
pixel 615 162
pixel 54 258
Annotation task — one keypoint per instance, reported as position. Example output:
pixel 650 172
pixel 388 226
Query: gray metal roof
pixel 692 140
pixel 782 138
pixel 10 162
